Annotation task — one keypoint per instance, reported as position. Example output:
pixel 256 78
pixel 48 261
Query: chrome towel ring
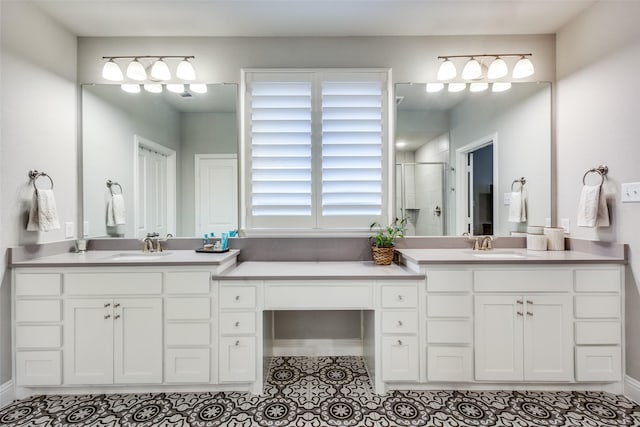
pixel 111 184
pixel 34 175
pixel 522 182
pixel 601 170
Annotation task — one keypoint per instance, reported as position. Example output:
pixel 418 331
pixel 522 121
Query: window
pixel 315 149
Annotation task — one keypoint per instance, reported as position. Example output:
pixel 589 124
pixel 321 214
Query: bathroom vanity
pixel 448 318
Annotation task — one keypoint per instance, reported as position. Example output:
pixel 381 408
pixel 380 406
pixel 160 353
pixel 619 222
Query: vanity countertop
pixel 128 258
pixel 504 256
pixel 320 270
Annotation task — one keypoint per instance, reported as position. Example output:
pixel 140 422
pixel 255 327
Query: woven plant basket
pixel 382 256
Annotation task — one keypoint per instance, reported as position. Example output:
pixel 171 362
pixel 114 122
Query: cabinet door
pixel 548 339
pixel 498 337
pixel 88 341
pixel 237 359
pixel 400 358
pixel 137 340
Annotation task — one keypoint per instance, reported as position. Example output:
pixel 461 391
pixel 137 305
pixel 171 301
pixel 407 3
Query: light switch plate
pixel 507 199
pixel 631 192
pixel 85 228
pixel 564 223
pixel 68 230
pixel 547 222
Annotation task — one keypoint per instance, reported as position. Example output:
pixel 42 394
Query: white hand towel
pixel 116 211
pixel 518 207
pixel 592 208
pixel 43 215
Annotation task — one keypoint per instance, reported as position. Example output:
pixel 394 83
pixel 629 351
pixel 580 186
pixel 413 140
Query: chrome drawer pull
pixel 107 304
pixel 529 313
pixel 529 301
pixel 519 313
pixel 116 305
pixel 107 316
pixel 519 301
pixel 117 316
pixel 399 342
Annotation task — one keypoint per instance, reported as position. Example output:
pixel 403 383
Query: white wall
pixel 524 147
pixel 598 122
pixel 39 131
pixel 110 124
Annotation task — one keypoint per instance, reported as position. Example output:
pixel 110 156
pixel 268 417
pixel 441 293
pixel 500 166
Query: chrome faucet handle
pixel 474 239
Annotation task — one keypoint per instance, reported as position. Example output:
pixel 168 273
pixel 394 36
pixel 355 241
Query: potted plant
pixel 383 242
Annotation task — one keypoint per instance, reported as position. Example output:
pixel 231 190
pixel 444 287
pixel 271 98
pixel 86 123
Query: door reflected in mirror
pixel 164 151
pixel 448 180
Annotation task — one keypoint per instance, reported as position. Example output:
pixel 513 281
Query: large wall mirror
pixel 151 162
pixel 462 157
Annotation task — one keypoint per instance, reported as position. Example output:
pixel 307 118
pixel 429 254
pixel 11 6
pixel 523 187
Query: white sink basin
pixel 138 256
pixel 499 255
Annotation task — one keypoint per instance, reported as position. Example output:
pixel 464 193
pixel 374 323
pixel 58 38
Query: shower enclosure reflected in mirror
pixel 457 155
pixel 172 155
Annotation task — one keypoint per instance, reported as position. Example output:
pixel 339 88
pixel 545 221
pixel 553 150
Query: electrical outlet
pixel 68 230
pixel 630 192
pixel 85 228
pixel 547 222
pixel 564 223
pixel 507 199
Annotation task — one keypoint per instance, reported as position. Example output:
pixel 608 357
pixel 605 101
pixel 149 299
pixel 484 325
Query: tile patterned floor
pixel 324 391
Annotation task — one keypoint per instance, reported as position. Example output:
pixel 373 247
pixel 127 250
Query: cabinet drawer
pixel 449 281
pixel 399 322
pixel 601 306
pixel 598 364
pixel 449 306
pixel 400 358
pixel 598 281
pixel 233 323
pixel 318 295
pixel 188 334
pixel 237 359
pixel 448 364
pixel 237 297
pixel 598 333
pixel 36 368
pixel 187 365
pixel 187 282
pixel 36 284
pixel 38 311
pixel 188 308
pixel 449 332
pixel 523 280
pixel 394 296
pixel 102 283
pixel 38 336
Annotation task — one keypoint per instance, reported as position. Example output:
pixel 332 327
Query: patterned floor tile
pixel 325 392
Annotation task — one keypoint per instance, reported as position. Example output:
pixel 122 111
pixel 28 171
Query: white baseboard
pixel 6 393
pixel 632 388
pixel 312 348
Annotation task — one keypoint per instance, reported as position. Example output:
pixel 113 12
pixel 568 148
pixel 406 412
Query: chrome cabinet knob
pixel 400 298
pixel 399 322
pixel 237 343
pixel 237 324
pixel 237 297
pixel 399 342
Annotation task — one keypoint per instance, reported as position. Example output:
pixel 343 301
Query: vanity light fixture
pixel 130 87
pixel 476 65
pixel 153 87
pixel 198 87
pixel 500 86
pixel 175 87
pixel 156 65
pixel 434 87
pixel 478 86
pixel 456 87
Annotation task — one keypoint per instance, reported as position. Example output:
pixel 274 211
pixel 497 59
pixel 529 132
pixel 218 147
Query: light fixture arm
pixel 484 55
pixel 149 57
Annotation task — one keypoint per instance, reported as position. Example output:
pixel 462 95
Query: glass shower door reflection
pixel 420 197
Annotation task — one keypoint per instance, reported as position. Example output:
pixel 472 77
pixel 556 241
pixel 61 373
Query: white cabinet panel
pixel 598 333
pixel 187 365
pixel 104 283
pixel 450 364
pixel 449 306
pixel 449 281
pixel 38 336
pixel 38 311
pixel 518 280
pixel 449 332
pixel 184 334
pixel 237 297
pixel 237 323
pixel 188 308
pixel 187 282
pixel 327 295
pixel 35 368
pixel 38 284
pixel 597 281
pixel 600 306
pixel 400 358
pixel 397 296
pixel 237 359
pixel 399 322
pixel 598 364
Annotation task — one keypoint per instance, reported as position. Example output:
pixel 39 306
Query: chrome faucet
pixel 487 243
pixel 148 242
pixel 480 243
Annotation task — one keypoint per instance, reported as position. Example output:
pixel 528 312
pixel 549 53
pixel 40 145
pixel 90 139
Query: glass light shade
pixel 198 87
pixel 500 86
pixel 185 71
pixel 434 87
pixel 447 70
pixel 456 87
pixel 523 68
pixel 153 87
pixel 478 86
pixel 472 70
pixel 497 69
pixel 175 87
pixel 160 71
pixel 136 71
pixel 111 71
pixel 130 87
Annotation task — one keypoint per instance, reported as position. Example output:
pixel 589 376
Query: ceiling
pixel 107 18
